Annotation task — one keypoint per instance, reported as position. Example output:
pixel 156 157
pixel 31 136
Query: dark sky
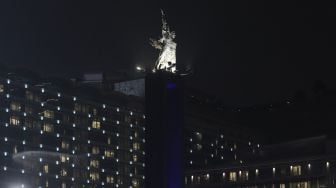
pixel 245 52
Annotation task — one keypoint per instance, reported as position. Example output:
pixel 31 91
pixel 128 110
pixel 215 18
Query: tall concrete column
pixel 164 139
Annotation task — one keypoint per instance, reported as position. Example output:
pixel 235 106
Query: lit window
pixel 65 145
pixel 64 158
pixel 94 176
pixel 109 153
pixel 135 158
pixel 300 184
pixel 135 183
pixel 96 124
pixel 14 120
pixel 94 163
pixel 15 106
pixel 233 176
pixel 2 88
pixel 136 146
pixel 282 185
pixel 295 170
pixel 109 179
pixel 64 172
pixel 47 127
pixel 48 114
pixel 46 169
pixel 109 140
pixel 95 150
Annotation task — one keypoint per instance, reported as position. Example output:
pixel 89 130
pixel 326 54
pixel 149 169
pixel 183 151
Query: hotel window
pixel 95 150
pixel 300 185
pixel 63 185
pixel 46 169
pixel 64 172
pixel 198 180
pixel 15 106
pixel 15 150
pixel 233 176
pixel 2 88
pixel 296 170
pixel 109 179
pixel 135 158
pixel 94 163
pixel 96 124
pixel 65 145
pixel 135 183
pixel 29 110
pixel 127 119
pixel 136 146
pixel 109 141
pixel 244 175
pixel 136 134
pixel 47 127
pixel 282 185
pixel 198 146
pixel 80 121
pixel 64 158
pixel 82 108
pixel 283 171
pixel 94 111
pixel 94 176
pixel 206 177
pixel 120 181
pixel 48 114
pixel 109 153
pixel 14 120
pixel 29 95
pixel 66 118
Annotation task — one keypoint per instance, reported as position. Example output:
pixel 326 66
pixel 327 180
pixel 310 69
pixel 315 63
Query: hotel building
pixel 51 136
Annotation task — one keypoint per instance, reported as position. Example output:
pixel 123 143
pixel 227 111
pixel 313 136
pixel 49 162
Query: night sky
pixel 245 52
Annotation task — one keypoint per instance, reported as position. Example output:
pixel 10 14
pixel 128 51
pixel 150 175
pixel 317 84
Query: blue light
pixel 171 85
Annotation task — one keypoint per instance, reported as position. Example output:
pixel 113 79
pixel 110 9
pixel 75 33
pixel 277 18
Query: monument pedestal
pixel 164 133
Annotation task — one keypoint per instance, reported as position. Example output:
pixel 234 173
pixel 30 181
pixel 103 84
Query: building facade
pixel 55 138
pixel 307 163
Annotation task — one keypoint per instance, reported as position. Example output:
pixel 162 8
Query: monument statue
pixel 167 47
